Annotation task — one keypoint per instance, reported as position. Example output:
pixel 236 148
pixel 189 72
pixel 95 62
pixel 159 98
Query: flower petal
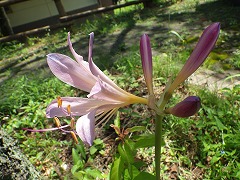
pixel 85 127
pixel 186 108
pixel 199 54
pixel 71 72
pixel 104 91
pixel 94 69
pixel 146 57
pixel 76 56
pixel 79 106
pixel 90 47
pixel 79 58
pixel 98 73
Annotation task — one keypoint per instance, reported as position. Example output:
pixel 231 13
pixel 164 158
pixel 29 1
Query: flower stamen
pixel 59 101
pixel 72 123
pixel 74 137
pixel 69 109
pixel 107 116
pixel 57 122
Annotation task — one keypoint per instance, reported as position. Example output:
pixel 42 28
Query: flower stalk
pixel 158 145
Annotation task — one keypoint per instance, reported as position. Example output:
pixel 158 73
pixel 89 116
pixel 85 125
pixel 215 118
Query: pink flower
pixel 104 97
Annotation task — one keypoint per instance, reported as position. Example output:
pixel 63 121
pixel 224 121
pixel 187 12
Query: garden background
pixel 204 146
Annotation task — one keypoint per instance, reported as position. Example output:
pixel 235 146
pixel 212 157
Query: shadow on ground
pixel 156 22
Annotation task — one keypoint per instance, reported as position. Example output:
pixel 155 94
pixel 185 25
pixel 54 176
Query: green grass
pixel 207 143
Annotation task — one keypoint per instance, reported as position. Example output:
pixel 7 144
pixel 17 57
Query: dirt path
pixel 215 81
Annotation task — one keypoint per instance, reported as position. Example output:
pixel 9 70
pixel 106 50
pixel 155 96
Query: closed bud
pixel 146 56
pixel 185 108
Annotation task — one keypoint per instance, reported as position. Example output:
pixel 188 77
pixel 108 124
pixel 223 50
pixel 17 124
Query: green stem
pixel 158 144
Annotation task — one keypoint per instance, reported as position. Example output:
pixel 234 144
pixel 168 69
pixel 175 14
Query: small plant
pixel 82 168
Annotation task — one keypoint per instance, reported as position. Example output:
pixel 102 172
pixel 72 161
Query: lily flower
pixel 198 56
pixel 185 108
pixel 104 97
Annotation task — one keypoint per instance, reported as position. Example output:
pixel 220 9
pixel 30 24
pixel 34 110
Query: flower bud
pixel 185 108
pixel 146 57
pixel 203 48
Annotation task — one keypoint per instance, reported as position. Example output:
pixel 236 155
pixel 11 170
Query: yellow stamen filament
pixel 59 101
pixel 74 137
pixel 107 117
pixel 100 115
pixel 72 123
pixel 69 109
pixel 57 122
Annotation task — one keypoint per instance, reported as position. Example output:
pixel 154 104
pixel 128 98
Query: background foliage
pixel 205 146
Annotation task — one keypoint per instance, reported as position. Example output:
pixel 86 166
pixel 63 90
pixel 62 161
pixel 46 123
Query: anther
pixel 59 101
pixel 72 123
pixel 74 137
pixel 69 109
pixel 57 122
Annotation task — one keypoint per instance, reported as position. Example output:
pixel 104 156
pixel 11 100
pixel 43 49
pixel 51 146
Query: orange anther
pixel 74 137
pixel 72 123
pixel 59 101
pixel 57 122
pixel 69 109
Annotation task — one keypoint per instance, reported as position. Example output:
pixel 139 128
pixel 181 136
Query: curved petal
pixel 146 57
pixel 76 56
pixel 90 48
pixel 104 91
pixel 79 106
pixel 79 58
pixel 98 73
pixel 94 69
pixel 85 127
pixel 70 72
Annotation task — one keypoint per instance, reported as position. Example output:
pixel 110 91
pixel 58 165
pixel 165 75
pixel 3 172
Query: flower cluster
pixel 105 97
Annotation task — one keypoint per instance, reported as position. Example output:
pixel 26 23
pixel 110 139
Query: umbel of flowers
pixel 105 97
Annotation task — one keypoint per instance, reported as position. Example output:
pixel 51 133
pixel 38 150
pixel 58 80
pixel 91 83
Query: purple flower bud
pixel 146 57
pixel 199 54
pixel 185 108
